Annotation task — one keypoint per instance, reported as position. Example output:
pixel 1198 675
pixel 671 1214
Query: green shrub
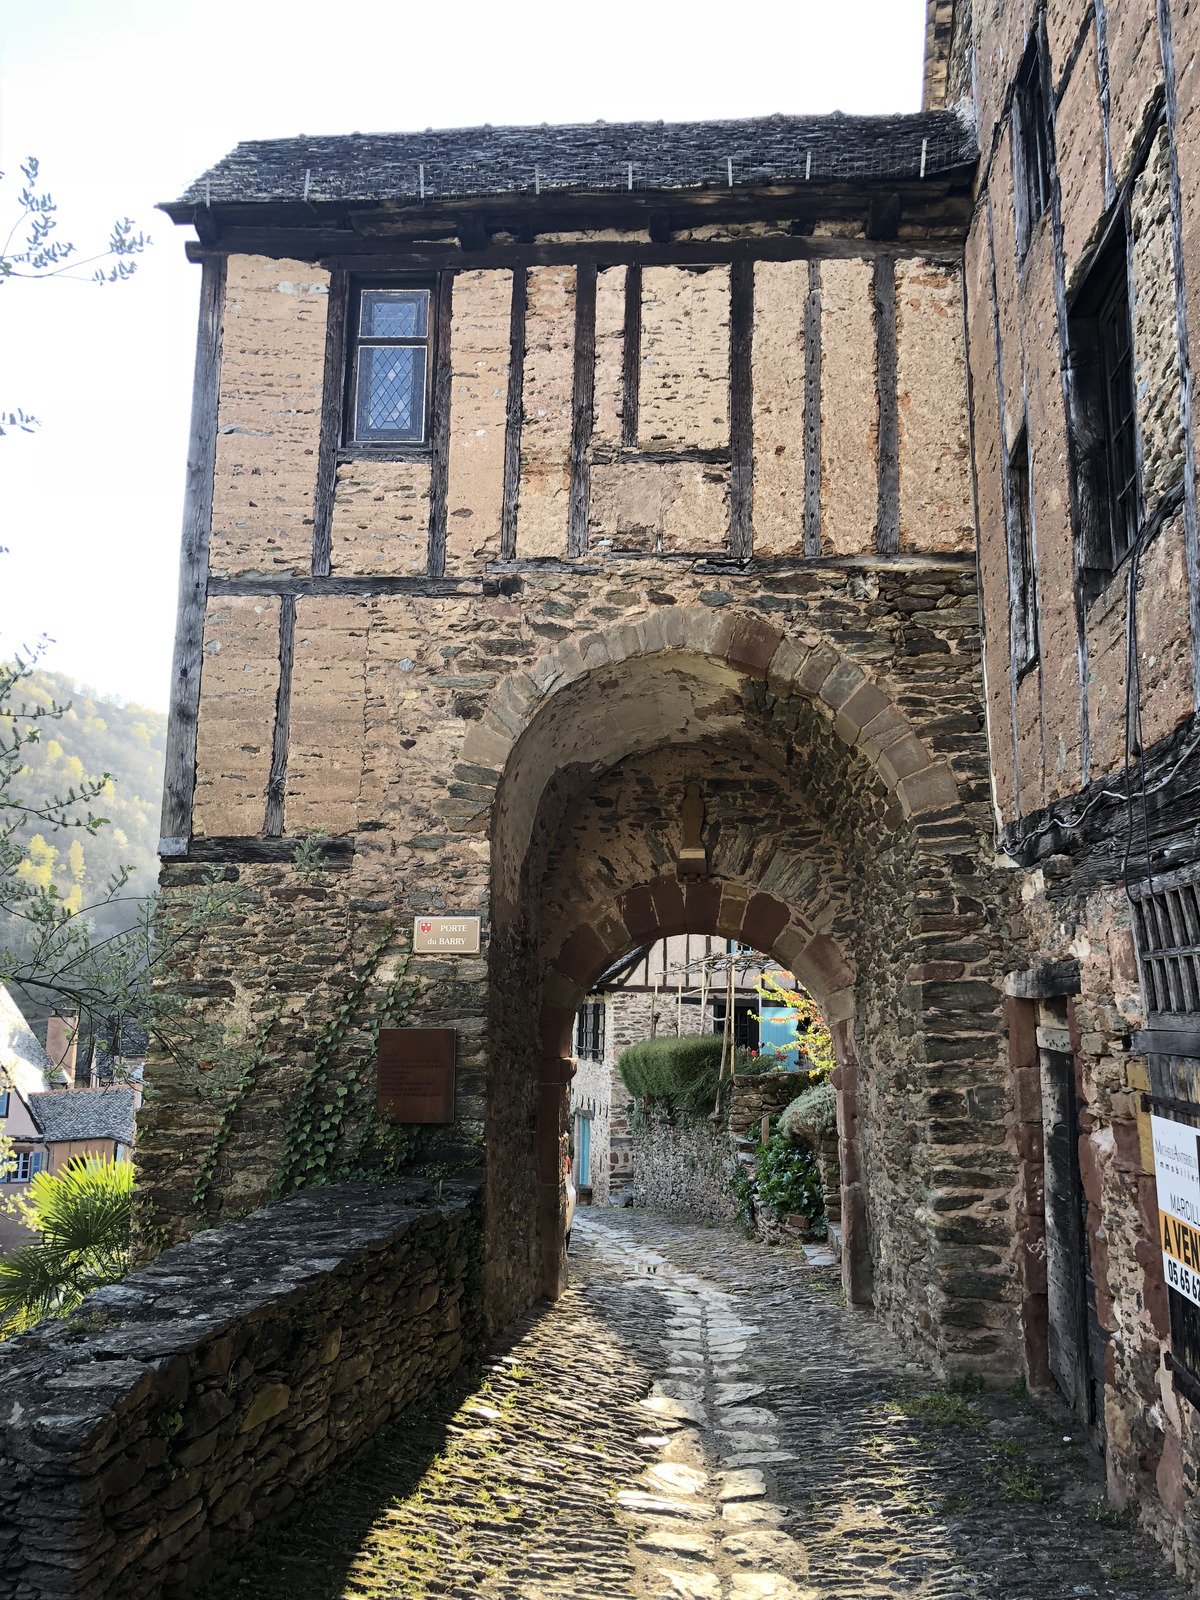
pixel 81 1217
pixel 814 1112
pixel 786 1180
pixel 682 1071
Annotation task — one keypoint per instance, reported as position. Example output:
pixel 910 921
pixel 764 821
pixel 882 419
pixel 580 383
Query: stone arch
pixel 723 645
pixel 655 910
pixel 919 1047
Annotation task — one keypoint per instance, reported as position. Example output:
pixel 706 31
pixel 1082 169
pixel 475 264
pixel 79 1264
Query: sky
pixel 125 101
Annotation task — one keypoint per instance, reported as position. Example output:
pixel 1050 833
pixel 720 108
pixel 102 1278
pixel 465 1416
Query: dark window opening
pixel 589 1031
pixel 1167 929
pixel 745 1023
pixel 1031 145
pixel 389 366
pixel 1022 560
pixel 1105 418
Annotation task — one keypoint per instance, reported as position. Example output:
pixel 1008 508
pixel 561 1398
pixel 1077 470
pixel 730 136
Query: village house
pixel 48 1121
pixel 586 532
pixel 678 985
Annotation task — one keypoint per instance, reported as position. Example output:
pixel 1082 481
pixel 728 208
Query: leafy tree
pixel 31 250
pixel 82 1218
pixel 815 1039
pixel 99 954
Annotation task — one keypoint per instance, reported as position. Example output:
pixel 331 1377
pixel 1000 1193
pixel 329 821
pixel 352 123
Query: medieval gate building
pixel 536 476
pixel 539 476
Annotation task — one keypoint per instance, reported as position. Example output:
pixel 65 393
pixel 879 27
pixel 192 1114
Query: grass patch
pixel 943 1408
pixel 1021 1483
pixel 1108 1516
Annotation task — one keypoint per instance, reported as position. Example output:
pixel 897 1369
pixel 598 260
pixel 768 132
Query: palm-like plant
pixel 82 1216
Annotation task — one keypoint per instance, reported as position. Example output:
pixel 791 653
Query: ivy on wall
pixel 318 1116
pixel 233 1097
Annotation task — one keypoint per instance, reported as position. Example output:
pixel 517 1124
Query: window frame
pixel 590 1031
pixel 1024 618
pixel 1032 144
pixel 4 1098
pixel 1110 516
pixel 583 1171
pixel 28 1157
pixel 356 340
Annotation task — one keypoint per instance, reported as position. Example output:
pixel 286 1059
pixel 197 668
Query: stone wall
pixel 684 1165
pixel 591 1092
pixel 144 1439
pixel 760 1094
pixel 1123 116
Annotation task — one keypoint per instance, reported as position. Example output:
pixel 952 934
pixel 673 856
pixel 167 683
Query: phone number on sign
pixel 1182 1279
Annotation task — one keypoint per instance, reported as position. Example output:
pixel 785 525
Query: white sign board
pixel 1177 1173
pixel 447 935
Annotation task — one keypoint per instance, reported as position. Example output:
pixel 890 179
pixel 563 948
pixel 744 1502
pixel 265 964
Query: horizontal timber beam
pixel 256 848
pixel 704 561
pixel 373 255
pixel 428 588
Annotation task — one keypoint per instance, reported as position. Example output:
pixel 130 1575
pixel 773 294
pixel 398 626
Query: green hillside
pixel 95 736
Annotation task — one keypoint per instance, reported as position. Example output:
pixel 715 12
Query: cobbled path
pixel 700 1418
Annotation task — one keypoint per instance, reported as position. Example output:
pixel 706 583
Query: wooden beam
pixel 347 584
pixel 253 848
pixel 514 414
pixel 335 252
pixel 704 562
pixel 439 425
pixel 610 456
pixel 741 409
pixel 332 400
pixel 631 356
pixel 179 778
pixel 887 528
pixel 277 781
pixel 582 408
pixel 812 412
pixel 365 252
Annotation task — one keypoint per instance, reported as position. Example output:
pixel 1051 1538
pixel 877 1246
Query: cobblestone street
pixel 700 1417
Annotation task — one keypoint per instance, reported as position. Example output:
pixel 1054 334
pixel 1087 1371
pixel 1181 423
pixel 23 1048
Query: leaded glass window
pixel 391 367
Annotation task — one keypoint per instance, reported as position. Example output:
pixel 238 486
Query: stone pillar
pixel 857 1274
pixel 554 1081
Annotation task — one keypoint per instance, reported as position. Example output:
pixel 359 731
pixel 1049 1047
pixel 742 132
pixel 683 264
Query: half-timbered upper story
pixel 1080 262
pixel 430 360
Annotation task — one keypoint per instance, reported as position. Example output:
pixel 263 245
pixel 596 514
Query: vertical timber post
pixel 179 777
pixel 741 410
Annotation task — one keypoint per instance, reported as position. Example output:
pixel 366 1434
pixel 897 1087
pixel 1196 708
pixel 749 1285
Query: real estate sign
pixel 1177 1173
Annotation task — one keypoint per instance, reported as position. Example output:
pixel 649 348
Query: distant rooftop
pixel 85 1114
pixel 24 1065
pixel 462 163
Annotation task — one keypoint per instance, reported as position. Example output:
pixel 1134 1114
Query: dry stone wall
pixel 144 1440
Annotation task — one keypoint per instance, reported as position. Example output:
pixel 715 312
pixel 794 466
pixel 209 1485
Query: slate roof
pixel 450 163
pixel 85 1114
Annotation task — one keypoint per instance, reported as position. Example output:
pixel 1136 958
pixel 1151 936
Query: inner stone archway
pixel 831 856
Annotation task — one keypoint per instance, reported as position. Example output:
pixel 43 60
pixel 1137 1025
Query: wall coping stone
pixel 245 1311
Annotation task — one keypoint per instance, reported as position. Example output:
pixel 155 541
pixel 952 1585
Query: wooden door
pixel 1067 1268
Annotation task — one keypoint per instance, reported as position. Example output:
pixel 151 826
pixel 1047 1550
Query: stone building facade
pixel 676 986
pixel 1081 259
pixel 544 483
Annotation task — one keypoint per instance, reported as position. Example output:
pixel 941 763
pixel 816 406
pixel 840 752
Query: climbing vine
pixel 320 1110
pixel 231 1098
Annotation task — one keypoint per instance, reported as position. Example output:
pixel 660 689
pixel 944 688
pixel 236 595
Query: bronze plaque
pixel 415 1074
